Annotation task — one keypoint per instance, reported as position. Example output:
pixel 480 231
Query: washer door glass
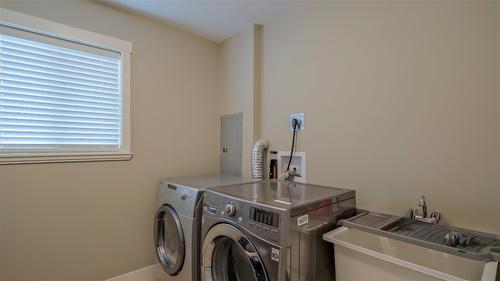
pixel 230 256
pixel 169 240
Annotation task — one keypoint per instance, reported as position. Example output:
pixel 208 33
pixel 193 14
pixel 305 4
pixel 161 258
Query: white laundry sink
pixel 360 255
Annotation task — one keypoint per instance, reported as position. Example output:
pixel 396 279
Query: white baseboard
pixel 148 273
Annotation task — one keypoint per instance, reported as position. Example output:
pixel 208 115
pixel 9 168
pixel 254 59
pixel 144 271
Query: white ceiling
pixel 215 20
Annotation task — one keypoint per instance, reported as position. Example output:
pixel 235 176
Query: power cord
pixel 295 123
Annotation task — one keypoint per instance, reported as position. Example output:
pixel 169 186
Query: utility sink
pixel 360 255
pixel 453 240
pixel 387 247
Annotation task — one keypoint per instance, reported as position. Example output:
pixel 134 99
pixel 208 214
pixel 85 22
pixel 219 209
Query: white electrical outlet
pixel 300 117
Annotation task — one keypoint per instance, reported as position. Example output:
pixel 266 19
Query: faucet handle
pixel 436 216
pixel 413 213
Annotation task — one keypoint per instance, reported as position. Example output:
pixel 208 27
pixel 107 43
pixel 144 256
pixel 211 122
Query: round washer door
pixel 169 239
pixel 228 255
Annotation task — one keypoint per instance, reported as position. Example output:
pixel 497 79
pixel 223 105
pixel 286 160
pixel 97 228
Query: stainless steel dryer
pixel 271 231
pixel 178 221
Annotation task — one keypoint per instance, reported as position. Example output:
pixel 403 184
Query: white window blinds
pixel 57 95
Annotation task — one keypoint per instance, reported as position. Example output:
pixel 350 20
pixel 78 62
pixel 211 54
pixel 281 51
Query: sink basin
pixel 418 230
pixel 428 235
pixel 359 254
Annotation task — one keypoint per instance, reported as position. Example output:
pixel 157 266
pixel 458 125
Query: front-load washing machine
pixel 177 222
pixel 271 231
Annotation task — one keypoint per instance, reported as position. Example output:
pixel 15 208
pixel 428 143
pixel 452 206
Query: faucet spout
pixel 416 215
pixel 423 205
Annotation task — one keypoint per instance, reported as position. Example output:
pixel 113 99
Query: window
pixel 61 98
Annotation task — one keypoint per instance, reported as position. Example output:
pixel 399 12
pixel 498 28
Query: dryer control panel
pixel 184 198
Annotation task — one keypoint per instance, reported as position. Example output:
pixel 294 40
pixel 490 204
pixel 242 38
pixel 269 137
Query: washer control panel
pixel 264 217
pixel 259 220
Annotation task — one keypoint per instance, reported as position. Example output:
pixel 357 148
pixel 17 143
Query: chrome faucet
pixel 415 214
pixel 423 205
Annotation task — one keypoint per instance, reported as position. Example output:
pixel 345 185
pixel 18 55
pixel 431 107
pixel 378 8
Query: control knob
pixel 183 195
pixel 230 209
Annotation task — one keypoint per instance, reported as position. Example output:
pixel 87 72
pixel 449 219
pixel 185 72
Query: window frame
pixel 53 29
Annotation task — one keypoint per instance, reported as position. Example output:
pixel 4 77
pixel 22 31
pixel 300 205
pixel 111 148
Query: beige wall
pixel 400 99
pixel 240 86
pixel 92 221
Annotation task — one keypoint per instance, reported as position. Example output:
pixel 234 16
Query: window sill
pixel 28 158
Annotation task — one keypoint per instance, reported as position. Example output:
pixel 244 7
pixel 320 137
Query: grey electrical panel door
pixel 231 131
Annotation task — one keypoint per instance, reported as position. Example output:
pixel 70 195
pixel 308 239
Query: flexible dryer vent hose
pixel 259 152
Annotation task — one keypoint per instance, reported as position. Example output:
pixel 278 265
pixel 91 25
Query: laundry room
pixel 249 140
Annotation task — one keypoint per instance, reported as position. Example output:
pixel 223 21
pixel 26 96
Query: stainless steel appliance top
pixel 202 182
pixel 285 194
